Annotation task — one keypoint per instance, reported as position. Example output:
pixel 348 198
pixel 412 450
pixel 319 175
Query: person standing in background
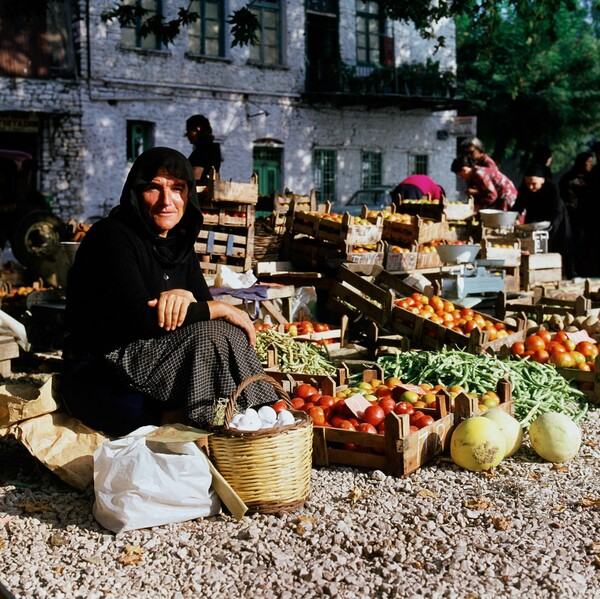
pixel 542 155
pixel 473 148
pixel 573 187
pixel 540 199
pixel 207 152
pixel 592 214
pixel 489 187
pixel 414 188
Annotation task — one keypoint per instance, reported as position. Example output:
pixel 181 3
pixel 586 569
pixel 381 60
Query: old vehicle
pixel 376 198
pixel 26 222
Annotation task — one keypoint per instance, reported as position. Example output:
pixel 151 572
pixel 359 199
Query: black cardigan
pixel 114 275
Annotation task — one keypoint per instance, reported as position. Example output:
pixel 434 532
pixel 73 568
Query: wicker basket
pixel 269 469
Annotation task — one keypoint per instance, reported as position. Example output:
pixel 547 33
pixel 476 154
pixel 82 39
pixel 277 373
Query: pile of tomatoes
pixel 558 349
pixel 445 313
pixel 384 397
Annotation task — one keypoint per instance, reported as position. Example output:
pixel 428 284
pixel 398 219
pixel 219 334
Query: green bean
pixel 536 388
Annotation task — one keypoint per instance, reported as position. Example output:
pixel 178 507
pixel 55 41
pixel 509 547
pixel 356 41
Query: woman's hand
pixel 171 307
pixel 233 316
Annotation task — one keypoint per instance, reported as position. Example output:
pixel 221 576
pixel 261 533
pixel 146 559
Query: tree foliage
pixel 534 77
pixel 424 15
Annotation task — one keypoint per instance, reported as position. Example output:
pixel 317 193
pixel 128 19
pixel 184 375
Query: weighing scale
pixel 472 279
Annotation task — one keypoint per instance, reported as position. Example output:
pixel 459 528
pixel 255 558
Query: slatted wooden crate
pixel 367 290
pixel 588 382
pixel 226 248
pixel 282 202
pixel 8 350
pixel 340 229
pixel 424 207
pixel 541 269
pixel 397 452
pixel 227 214
pixel 539 306
pixel 459 210
pixel 425 334
pixel 506 250
pixel 217 190
pixel 397 260
pixel 428 259
pixel 419 230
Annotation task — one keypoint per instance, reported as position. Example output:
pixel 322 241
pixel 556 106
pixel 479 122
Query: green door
pixel 267 165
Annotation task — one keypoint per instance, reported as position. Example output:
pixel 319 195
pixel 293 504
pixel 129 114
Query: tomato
pixel 320 327
pixel 584 367
pixel 424 421
pixel 308 405
pixel 326 401
pixel 587 348
pixel 393 382
pixel 412 429
pixel 304 390
pixel 517 348
pixel 563 360
pixel 534 343
pixel 365 427
pixel 545 335
pixel 297 403
pixel 381 428
pixel 578 357
pixel 279 405
pixel 569 344
pixel 404 407
pixel 560 336
pixel 416 416
pixel 346 425
pixel 541 356
pixel 354 421
pixel 383 391
pixel 373 415
pixel 317 415
pixel 336 421
pixel 387 404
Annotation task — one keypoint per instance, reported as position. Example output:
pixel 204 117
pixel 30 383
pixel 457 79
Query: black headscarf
pixel 535 170
pixel 181 239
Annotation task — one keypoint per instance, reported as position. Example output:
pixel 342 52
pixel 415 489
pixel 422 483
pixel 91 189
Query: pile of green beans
pixel 294 356
pixel 536 388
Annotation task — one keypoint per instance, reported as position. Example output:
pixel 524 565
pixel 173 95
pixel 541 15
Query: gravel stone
pixel 528 530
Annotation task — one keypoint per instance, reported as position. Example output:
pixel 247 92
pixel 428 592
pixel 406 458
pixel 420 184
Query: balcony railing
pixel 411 79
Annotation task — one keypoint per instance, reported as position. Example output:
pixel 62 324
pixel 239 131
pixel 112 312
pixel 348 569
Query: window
pixel 324 174
pixel 268 49
pixel 370 169
pixel 418 164
pixel 130 36
pixel 206 35
pixel 140 137
pixel 369 27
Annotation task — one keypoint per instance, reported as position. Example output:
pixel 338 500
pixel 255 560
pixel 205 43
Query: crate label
pixel 358 404
pixel 580 336
pixel 415 388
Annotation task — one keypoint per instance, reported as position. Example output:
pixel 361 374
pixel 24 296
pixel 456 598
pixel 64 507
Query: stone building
pixel 334 97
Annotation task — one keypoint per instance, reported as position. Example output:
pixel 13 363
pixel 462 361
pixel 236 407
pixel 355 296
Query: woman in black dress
pixel 145 340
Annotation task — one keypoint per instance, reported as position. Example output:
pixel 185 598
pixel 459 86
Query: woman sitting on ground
pixel 145 342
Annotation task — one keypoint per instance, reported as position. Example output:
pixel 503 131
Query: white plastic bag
pixel 140 483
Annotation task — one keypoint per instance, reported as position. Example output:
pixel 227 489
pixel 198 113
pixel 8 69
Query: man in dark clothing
pixel 206 153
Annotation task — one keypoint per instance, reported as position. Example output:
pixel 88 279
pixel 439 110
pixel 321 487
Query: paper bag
pixel 21 401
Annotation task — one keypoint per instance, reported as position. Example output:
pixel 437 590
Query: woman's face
pixel 534 183
pixel 473 153
pixel 589 163
pixel 164 201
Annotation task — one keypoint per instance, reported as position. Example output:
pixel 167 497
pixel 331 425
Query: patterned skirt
pixel 192 368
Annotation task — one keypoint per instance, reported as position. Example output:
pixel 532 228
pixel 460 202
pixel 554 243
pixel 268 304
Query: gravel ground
pixel 528 529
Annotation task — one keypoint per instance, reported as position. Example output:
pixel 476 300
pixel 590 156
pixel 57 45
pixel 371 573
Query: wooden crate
pixel 396 260
pixel 428 260
pixel 228 214
pixel 290 380
pixel 226 248
pixel 533 242
pixel 397 452
pixel 588 293
pixel 419 230
pixel 218 190
pixel 425 334
pixel 539 305
pixel 344 230
pixel 462 230
pixel 506 256
pixel 283 201
pixel 8 350
pixel 459 210
pixel 588 382
pixel 367 290
pixel 425 208
pixel 541 269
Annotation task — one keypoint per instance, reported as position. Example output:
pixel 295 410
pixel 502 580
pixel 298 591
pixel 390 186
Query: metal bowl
pixel 457 254
pixel 498 219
